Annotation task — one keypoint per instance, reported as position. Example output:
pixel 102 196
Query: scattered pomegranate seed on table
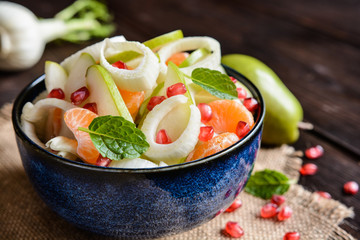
pixel 79 96
pixel 155 101
pixel 206 133
pixel 206 112
pixel 284 213
pixel 162 137
pixel 233 229
pixel 269 210
pixel 314 152
pixel 175 89
pixel 292 236
pixel 242 129
pixel 92 107
pixel 351 187
pixel 324 194
pixel 308 169
pixel 56 93
pixel 277 199
pixel 235 205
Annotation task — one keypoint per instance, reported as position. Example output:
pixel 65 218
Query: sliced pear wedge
pixel 55 76
pixel 104 92
pixel 176 151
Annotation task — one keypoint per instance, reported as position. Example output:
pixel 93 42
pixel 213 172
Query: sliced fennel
pixel 135 163
pixel 143 77
pixel 176 151
pixel 62 144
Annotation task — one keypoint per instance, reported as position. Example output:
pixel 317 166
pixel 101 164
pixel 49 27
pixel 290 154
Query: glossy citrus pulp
pixel 81 117
pixel 214 145
pixel 133 101
pixel 178 58
pixel 226 114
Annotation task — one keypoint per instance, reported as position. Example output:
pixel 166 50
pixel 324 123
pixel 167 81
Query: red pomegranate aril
pixel 162 137
pixel 278 199
pixel 102 161
pixel 324 194
pixel 56 93
pixel 292 236
pixel 155 101
pixel 308 169
pixel 314 152
pixel 79 96
pixel 269 210
pixel 206 112
pixel 251 104
pixel 242 129
pixel 284 213
pixel 120 65
pixel 351 187
pixel 206 133
pixel 234 80
pixel 175 89
pixel 92 107
pixel 235 205
pixel 233 229
pixel 241 93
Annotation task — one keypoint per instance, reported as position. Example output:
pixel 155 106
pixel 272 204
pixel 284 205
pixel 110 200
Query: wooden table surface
pixel 314 46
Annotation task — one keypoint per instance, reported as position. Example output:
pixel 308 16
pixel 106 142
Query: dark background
pixel 314 47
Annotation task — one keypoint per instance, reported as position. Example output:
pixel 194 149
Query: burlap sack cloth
pixel 23 215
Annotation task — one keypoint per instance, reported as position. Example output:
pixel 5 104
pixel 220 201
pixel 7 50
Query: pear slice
pixel 104 92
pixel 55 76
pixel 77 73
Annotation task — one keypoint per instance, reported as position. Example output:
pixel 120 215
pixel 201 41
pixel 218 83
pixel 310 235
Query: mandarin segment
pixel 214 145
pixel 226 114
pixel 133 100
pixel 80 117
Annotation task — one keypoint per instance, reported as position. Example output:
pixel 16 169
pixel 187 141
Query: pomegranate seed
pixel 175 89
pixel 241 93
pixel 308 169
pixel 102 161
pixel 92 107
pixel 292 236
pixel 285 213
pixel 235 205
pixel 351 187
pixel 251 104
pixel 206 112
pixel 233 229
pixel 324 194
pixel 155 101
pixel 56 93
pixel 162 137
pixel 242 129
pixel 269 210
pixel 120 65
pixel 233 79
pixel 277 199
pixel 206 133
pixel 314 152
pixel 79 96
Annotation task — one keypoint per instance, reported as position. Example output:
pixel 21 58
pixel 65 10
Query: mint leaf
pixel 266 183
pixel 116 138
pixel 216 83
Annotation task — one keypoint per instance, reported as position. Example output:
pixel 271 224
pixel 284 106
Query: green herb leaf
pixel 216 83
pixel 268 182
pixel 116 138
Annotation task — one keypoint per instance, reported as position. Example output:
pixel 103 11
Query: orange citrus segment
pixel 177 58
pixel 214 145
pixel 133 101
pixel 226 114
pixel 81 117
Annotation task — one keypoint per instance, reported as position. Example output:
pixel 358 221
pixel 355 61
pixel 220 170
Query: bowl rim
pixel 20 101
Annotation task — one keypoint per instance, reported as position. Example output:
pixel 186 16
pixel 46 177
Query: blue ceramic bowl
pixel 138 203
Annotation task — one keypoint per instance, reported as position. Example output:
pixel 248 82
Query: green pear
pixel 283 110
pixel 55 76
pixel 104 92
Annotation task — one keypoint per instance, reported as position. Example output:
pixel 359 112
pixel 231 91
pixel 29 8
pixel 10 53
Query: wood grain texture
pixel 314 47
